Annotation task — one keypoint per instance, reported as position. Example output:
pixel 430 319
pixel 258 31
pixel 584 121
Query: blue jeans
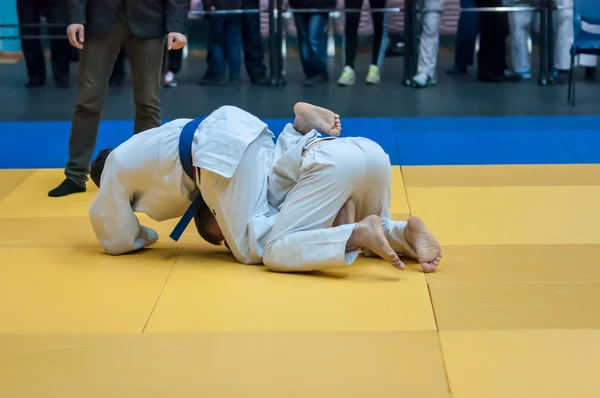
pixel 312 40
pixel 466 35
pixel 225 45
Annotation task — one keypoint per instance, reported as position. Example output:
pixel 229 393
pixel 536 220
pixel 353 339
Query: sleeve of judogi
pixel 116 226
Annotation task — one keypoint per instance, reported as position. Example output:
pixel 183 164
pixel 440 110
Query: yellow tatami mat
pixel 224 365
pixel 511 312
pixel 219 294
pixel 527 364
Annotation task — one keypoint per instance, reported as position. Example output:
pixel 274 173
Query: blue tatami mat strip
pixel 408 141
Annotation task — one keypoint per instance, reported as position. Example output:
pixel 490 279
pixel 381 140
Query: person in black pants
pixel 171 67
pixel 55 11
pixel 252 43
pixel 466 36
pixel 348 76
pixel 491 59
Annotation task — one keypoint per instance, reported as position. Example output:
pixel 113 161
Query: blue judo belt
pixel 185 157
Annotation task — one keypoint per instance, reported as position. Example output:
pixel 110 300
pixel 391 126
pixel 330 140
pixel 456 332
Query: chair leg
pixel 569 94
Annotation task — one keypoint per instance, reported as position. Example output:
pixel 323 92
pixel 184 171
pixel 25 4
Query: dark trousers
pixel 225 45
pixel 173 61
pixel 30 12
pixel 312 40
pixel 466 35
pixel 252 42
pixel 491 59
pixel 96 62
pixel 351 31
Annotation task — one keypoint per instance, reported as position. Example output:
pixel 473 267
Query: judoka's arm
pixel 116 226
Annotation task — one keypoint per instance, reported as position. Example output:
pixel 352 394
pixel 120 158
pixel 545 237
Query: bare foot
pixel 310 117
pixel 346 215
pixel 429 252
pixel 368 233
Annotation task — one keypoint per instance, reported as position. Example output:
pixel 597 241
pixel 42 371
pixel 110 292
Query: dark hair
pixel 203 220
pixel 98 166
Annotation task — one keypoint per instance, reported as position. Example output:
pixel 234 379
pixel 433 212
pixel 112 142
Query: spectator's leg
pixel 233 47
pixel 29 12
pixel 466 37
pixel 254 51
pixel 302 28
pixel 60 48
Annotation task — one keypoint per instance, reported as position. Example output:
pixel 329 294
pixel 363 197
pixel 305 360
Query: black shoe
pixel 489 78
pixel 260 81
pixel 590 73
pixel 313 81
pixel 67 187
pixel 116 81
pixel 457 70
pixel 34 83
pixel 214 81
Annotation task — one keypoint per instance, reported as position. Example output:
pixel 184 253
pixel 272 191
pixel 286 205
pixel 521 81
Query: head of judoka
pixel 207 225
pixel 205 220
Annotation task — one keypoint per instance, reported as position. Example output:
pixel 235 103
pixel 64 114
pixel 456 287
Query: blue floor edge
pixel 428 141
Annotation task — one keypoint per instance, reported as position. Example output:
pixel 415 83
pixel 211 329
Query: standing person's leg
pixel 301 21
pixel 254 51
pixel 96 61
pixel 215 73
pixel 488 55
pixel 520 27
pixel 410 238
pixel 317 46
pixel 59 48
pixel 146 57
pixel 29 12
pixel 429 45
pixel 466 37
pixel 352 20
pixel 379 41
pixel 563 40
pixel 172 66
pixel 233 47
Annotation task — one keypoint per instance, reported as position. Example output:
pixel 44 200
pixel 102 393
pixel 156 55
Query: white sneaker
pixel 347 78
pixel 169 80
pixel 373 76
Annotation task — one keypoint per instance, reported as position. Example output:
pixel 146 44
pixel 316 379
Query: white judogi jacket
pixel 144 175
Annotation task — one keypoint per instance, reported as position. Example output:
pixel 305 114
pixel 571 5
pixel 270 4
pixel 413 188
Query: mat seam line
pixel 162 289
pixel 437 333
pixel 566 147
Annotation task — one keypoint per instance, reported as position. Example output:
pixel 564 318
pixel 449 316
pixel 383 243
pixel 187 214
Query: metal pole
pixel 550 40
pixel 543 79
pixel 279 53
pixel 410 37
pixel 272 47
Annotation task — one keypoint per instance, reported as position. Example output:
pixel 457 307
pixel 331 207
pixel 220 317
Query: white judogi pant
pixel 520 24
pixel 322 179
pixel 430 38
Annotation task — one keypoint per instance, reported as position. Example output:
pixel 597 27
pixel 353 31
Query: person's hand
pixel 176 41
pixel 76 33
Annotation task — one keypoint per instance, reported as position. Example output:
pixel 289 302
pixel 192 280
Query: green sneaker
pixel 373 75
pixel 421 80
pixel 348 77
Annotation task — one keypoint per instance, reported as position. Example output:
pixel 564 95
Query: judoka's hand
pixel 176 41
pixel 76 34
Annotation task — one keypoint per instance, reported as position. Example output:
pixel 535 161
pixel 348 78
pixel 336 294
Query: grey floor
pixel 453 96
